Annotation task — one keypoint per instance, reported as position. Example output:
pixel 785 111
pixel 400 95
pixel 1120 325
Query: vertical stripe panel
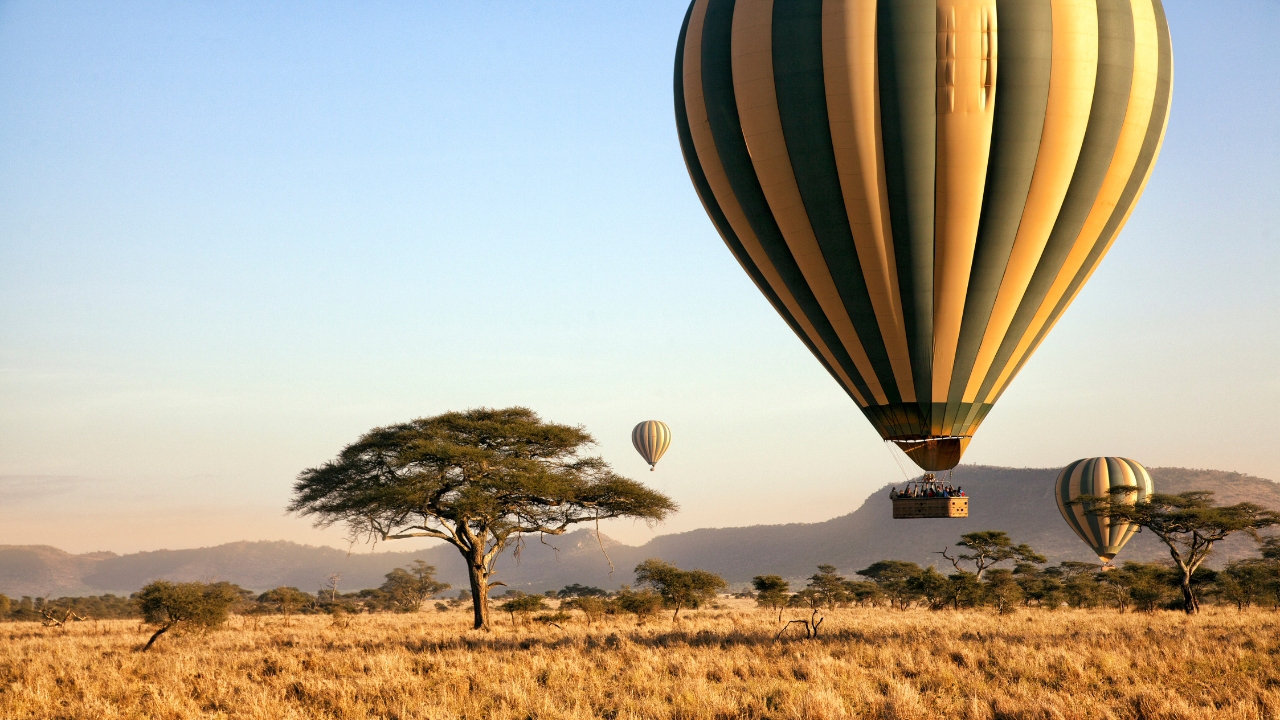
pixel 852 95
pixel 1097 481
pixel 705 144
pixel 1106 120
pixel 1063 495
pixel 1073 69
pixel 906 36
pixel 698 176
pixel 967 66
pixel 1078 488
pixel 801 107
pixel 1140 129
pixel 731 149
pixel 754 92
pixel 1022 96
pixel 1137 181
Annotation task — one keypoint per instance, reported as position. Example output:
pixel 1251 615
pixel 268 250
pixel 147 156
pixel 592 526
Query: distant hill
pixel 1018 501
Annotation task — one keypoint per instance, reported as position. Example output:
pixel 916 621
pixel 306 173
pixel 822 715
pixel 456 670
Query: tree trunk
pixel 1189 602
pixel 676 614
pixel 163 629
pixel 479 592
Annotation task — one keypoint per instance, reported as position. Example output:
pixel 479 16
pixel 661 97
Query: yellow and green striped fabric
pixel 651 439
pixel 1096 476
pixel 921 187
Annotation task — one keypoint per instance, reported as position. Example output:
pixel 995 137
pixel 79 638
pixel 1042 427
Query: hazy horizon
pixel 235 237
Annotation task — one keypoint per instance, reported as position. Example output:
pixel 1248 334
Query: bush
pixel 642 603
pixel 551 618
pixel 592 607
pixel 522 605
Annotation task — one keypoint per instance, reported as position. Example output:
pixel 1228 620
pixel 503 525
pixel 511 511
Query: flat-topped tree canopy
pixel 475 479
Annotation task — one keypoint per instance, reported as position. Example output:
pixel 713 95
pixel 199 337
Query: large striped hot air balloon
pixel 1096 476
pixel 921 187
pixel 651 439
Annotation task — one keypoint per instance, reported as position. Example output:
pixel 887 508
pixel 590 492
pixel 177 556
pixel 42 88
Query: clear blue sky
pixel 234 236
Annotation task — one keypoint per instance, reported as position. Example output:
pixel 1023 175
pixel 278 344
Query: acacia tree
pixel 771 592
pixel 410 587
pixel 989 547
pixel 1188 523
pixel 678 588
pixel 192 604
pixel 895 579
pixel 478 480
pixel 829 587
pixel 287 599
pixel 1003 591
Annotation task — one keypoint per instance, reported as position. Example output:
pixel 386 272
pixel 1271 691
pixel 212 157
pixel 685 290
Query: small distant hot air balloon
pixel 651 439
pixel 1096 476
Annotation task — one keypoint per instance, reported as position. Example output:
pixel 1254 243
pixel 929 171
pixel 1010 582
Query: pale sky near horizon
pixel 234 236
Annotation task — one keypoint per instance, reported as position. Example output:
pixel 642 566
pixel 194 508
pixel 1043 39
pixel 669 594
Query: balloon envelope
pixel 651 439
pixel 921 187
pixel 1096 476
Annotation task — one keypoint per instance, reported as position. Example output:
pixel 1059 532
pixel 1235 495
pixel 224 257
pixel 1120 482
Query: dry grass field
pixel 713 664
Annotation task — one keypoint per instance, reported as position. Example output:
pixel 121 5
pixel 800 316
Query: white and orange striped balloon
pixel 651 439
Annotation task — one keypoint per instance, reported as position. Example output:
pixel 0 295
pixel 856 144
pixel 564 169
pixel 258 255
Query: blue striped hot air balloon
pixel 921 187
pixel 651 439
pixel 1097 476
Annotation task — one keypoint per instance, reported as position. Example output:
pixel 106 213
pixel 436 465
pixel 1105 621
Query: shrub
pixel 592 607
pixel 641 603
pixel 522 605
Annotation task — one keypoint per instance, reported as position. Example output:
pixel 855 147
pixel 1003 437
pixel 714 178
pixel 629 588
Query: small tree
pixel 476 479
pixel 410 587
pixel 678 588
pixel 963 588
pixel 864 592
pixel 4 607
pixel 828 587
pixel 1245 582
pixel 1079 588
pixel 1144 586
pixel 592 607
pixel 1044 587
pixel 330 587
pixel 523 605
pixel 771 592
pixel 1187 523
pixel 894 577
pixel 193 604
pixel 286 599
pixel 991 547
pixel 1002 590
pixel 931 585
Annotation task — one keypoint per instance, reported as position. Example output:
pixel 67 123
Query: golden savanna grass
pixel 720 663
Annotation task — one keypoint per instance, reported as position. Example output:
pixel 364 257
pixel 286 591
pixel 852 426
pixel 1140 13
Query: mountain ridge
pixel 1016 500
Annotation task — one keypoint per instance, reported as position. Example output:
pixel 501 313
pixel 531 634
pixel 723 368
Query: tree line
pixel 1027 583
pixel 988 571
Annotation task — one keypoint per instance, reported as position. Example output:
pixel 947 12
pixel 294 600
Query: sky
pixel 235 236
